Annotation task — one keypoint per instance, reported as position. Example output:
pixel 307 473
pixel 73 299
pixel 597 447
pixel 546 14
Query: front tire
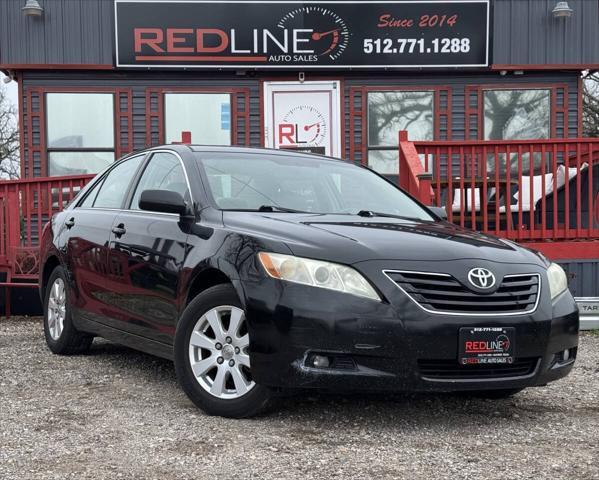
pixel 61 335
pixel 212 359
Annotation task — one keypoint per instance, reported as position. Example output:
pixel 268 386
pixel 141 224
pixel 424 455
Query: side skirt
pixel 136 342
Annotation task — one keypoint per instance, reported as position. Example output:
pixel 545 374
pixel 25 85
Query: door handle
pixel 70 222
pixel 119 230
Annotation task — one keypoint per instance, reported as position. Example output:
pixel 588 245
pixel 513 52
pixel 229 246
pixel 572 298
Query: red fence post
pixel 426 188
pixel 410 170
pixel 13 224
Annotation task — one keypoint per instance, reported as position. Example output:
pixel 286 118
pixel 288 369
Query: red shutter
pixel 472 111
pixel 154 117
pixel 34 135
pixel 358 128
pixel 443 114
pixel 123 122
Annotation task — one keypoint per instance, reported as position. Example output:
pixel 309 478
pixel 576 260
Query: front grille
pixel 442 293
pixel 451 369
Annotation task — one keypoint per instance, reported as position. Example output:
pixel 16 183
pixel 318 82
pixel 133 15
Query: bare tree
pixel 9 138
pixel 590 106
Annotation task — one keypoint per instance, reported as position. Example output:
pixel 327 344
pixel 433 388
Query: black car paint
pixel 170 255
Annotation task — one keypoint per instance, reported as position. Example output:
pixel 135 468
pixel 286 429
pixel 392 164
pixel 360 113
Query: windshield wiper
pixel 276 208
pixel 371 214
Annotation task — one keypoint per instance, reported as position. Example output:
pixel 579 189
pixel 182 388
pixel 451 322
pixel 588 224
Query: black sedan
pixel 263 270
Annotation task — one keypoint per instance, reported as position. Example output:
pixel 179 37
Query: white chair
pixel 537 187
pixel 457 200
pixel 523 195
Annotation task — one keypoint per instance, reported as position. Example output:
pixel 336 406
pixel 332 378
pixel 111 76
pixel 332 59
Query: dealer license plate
pixel 486 345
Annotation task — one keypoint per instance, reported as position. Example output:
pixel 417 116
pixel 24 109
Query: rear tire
pixel 212 356
pixel 62 337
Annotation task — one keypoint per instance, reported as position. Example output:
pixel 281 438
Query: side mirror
pixel 164 201
pixel 439 211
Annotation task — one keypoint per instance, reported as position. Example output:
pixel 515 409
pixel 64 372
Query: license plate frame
pixel 487 345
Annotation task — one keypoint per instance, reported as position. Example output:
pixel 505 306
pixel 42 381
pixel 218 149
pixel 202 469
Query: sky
pixel 11 90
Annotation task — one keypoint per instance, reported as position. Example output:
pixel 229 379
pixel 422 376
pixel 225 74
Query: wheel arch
pixel 207 278
pixel 49 265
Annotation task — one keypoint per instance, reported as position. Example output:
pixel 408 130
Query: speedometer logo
pixel 330 35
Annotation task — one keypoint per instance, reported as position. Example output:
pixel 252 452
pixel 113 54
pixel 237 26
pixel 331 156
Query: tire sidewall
pixel 58 346
pixel 247 405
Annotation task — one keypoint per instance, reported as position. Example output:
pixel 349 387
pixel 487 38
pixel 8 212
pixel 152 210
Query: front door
pixel 303 116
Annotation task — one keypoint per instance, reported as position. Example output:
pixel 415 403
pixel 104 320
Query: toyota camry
pixel 259 271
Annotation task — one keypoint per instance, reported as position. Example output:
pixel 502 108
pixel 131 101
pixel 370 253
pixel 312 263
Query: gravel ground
pixel 119 414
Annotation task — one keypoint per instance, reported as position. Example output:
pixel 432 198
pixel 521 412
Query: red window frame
pixel 557 109
pixel 34 118
pixel 441 109
pixel 155 111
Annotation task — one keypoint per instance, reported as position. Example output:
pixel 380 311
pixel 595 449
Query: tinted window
pixel 115 184
pixel 163 172
pixel 88 201
pixel 310 184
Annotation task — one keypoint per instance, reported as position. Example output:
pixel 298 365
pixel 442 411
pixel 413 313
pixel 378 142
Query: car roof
pixel 246 150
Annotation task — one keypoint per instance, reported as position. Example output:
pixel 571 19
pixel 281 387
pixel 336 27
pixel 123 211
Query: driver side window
pixel 163 172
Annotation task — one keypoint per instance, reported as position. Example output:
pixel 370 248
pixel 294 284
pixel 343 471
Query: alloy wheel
pixel 57 307
pixel 219 353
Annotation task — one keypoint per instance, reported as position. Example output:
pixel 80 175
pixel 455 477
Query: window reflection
pixel 390 112
pixel 75 163
pixel 517 115
pixel 385 162
pixel 80 132
pixel 206 115
pixel 80 120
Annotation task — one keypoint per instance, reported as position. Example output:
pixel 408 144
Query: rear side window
pixel 114 188
pixel 163 172
pixel 88 201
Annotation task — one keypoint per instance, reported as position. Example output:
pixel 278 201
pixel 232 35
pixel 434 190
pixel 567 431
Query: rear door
pixel 88 228
pixel 146 254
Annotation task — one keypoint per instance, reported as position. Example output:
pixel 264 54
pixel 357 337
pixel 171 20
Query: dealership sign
pixel 262 34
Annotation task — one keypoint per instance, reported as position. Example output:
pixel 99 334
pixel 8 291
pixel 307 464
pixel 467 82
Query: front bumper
pixel 391 345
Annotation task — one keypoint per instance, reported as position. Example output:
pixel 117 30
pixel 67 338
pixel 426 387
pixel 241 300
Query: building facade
pixel 101 78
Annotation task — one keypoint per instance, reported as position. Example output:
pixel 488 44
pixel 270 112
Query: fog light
pixel 565 355
pixel 320 361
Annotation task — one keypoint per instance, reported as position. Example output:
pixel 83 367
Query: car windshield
pixel 288 183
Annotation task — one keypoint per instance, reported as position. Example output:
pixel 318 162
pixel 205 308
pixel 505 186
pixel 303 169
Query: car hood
pixel 350 239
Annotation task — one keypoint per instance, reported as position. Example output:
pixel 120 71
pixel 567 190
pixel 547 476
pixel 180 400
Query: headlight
pixel 558 281
pixel 317 274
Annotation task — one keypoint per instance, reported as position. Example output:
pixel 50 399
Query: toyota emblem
pixel 481 278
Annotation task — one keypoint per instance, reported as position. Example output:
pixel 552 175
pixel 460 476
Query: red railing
pixel 25 207
pixel 528 190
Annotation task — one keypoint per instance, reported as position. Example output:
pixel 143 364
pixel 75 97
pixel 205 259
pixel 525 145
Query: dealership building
pixel 99 79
